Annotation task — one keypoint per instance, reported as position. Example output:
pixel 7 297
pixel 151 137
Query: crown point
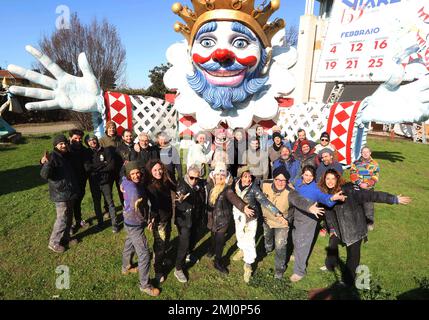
pixel 177 7
pixel 177 27
pixel 275 4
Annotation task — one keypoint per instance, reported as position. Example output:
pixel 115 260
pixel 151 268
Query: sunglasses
pixel 324 139
pixel 194 178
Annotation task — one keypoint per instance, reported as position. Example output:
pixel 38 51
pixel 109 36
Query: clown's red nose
pixel 223 55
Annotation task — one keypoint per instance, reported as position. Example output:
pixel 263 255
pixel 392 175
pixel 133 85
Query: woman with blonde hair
pixel 221 198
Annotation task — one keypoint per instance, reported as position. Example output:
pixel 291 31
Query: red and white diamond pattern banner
pixel 119 110
pixel 341 124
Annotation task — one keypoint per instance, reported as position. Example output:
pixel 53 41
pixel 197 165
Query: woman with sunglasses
pixel 305 223
pixel 221 198
pixel 347 221
pixel 190 201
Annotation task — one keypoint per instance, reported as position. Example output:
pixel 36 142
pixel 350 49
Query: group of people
pixel 240 180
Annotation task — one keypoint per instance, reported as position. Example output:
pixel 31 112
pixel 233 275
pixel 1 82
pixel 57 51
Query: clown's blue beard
pixel 223 98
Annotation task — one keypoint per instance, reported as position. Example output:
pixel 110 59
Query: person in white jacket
pixel 198 153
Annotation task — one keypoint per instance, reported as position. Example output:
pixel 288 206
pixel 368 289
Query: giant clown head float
pixel 223 69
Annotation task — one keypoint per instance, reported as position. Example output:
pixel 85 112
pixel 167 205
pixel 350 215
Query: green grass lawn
pixel 397 253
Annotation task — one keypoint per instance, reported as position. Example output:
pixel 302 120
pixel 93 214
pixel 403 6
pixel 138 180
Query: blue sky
pixel 145 27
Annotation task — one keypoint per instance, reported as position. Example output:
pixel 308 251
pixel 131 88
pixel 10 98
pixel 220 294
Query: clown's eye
pixel 207 43
pixel 240 43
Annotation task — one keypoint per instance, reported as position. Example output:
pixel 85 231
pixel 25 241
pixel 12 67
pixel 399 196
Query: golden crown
pixel 243 11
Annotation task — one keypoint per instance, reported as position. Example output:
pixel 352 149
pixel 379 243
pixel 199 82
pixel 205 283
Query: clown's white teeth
pixel 224 73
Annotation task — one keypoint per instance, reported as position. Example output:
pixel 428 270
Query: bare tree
pixel 292 36
pixel 104 50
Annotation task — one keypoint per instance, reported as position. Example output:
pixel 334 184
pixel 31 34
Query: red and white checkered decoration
pixel 341 124
pixel 119 110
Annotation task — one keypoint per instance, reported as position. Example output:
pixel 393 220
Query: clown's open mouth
pixel 225 77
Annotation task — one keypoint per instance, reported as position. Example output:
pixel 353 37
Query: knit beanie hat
pixel 305 142
pixel 90 136
pixel 242 170
pixel 130 166
pixel 325 135
pixel 220 168
pixel 281 170
pixel 58 139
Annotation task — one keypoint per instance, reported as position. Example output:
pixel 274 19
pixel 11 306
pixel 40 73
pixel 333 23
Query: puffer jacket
pixel 62 181
pixel 191 209
pixel 254 197
pixel 220 214
pixel 348 219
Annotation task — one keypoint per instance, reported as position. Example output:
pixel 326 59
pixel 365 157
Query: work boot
pixel 247 272
pixel 238 256
pixel 153 292
pixel 57 248
pixel 219 267
pixel 129 269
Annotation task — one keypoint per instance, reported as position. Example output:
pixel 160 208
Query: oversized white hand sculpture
pixel 82 94
pixel 406 103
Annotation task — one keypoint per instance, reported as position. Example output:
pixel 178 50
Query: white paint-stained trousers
pixel 245 234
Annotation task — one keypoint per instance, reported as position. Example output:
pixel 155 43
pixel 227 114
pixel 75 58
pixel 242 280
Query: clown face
pixel 228 58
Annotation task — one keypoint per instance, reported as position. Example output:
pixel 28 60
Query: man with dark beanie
pixel 274 150
pixel 63 189
pixel 78 155
pixel 100 166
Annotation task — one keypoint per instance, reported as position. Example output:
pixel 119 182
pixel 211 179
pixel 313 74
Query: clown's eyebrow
pixel 238 27
pixel 208 27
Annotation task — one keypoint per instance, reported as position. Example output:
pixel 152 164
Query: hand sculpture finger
pixel 33 76
pixel 52 67
pixel 43 105
pixel 37 93
pixel 85 66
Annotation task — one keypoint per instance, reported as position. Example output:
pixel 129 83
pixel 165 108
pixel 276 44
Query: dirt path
pixel 41 128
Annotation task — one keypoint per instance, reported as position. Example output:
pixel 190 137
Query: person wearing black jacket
pixel 63 189
pixel 145 151
pixel 125 151
pixel 78 155
pixel 159 189
pixel 189 213
pixel 347 221
pixel 100 167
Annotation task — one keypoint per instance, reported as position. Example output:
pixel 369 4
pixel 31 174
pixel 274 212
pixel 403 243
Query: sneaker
pixel 153 292
pixel 278 275
pixel 323 268
pixel 57 248
pixel 323 232
pixel 129 269
pixel 159 277
pixel 247 272
pixel 268 251
pixel 219 267
pixel 295 278
pixel 238 256
pixel 180 276
pixel 370 226
pixel 115 230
